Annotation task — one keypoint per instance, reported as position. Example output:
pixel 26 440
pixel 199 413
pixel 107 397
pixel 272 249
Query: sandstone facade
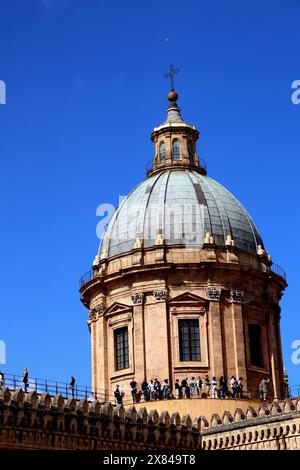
pixel 150 290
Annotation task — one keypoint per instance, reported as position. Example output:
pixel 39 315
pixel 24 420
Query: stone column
pixel 215 332
pixel 92 328
pixel 157 345
pixel 282 387
pixel 238 342
pixel 139 337
pixel 102 363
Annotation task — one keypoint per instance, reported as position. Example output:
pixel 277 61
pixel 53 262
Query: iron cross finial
pixel 171 74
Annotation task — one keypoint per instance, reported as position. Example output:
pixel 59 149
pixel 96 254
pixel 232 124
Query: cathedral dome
pixel 179 207
pixel 181 284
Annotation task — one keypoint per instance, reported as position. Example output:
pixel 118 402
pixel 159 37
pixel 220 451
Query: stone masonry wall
pixel 32 421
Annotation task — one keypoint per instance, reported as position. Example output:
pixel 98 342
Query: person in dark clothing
pixel 223 387
pixel 133 386
pixel 207 386
pixel 166 389
pixel 157 388
pixel 240 388
pixel 184 386
pixel 25 379
pixel 118 395
pixel 145 390
pixel 72 385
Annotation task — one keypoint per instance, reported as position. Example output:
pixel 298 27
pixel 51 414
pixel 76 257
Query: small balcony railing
pixel 202 166
pixel 88 276
pixel 275 268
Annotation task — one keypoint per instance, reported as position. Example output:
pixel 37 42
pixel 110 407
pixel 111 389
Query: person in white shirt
pixel 177 389
pixel 152 390
pixel 214 391
pixel 192 387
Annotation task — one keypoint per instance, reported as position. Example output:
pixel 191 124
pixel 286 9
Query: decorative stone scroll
pixel 138 297
pixel 236 296
pixel 213 293
pixel 96 312
pixel 161 294
pixel 92 315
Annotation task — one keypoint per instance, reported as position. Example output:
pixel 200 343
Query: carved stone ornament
pixel 138 297
pixel 236 296
pixel 213 293
pixel 160 294
pixel 92 315
pixel 96 312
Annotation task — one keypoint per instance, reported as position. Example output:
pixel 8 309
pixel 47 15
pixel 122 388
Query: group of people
pixel 186 388
pixel 209 388
pixel 193 388
pixel 151 391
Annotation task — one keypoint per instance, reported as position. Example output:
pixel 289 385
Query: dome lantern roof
pixel 175 140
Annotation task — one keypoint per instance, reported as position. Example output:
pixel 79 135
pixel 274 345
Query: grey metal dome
pixel 179 207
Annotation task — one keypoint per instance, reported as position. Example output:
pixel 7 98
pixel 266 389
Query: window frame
pixel 123 363
pixel 252 349
pixel 190 149
pixel 192 345
pixel 176 152
pixel 162 145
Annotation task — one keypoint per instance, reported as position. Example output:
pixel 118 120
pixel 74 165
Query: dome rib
pixel 158 205
pixel 194 180
pixel 251 223
pixel 222 216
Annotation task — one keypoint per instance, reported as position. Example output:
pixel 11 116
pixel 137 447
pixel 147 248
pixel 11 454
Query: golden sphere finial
pixel 172 96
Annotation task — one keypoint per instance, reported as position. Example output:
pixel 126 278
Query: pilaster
pixel 215 332
pixel 238 340
pixel 139 337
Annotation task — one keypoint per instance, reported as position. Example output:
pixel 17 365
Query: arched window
pixel 162 152
pixel 176 152
pixel 190 150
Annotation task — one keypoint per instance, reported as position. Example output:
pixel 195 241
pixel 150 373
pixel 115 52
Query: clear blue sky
pixel 85 87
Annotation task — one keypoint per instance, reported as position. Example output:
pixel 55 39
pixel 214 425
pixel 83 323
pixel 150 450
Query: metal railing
pixel 149 166
pixel 294 391
pixel 79 392
pixel 86 278
pixel 275 268
pixel 53 387
pixel 202 166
